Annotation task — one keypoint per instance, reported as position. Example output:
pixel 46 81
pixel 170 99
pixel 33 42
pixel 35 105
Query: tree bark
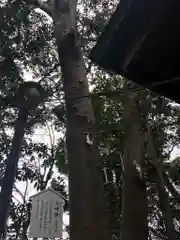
pixel 87 208
pixel 88 217
pixel 135 205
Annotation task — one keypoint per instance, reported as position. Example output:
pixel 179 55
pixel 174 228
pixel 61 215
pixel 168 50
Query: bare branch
pixel 18 191
pixel 17 200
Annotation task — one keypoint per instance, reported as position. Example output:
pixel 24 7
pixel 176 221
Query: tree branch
pixel 171 188
pixel 43 6
pixel 18 191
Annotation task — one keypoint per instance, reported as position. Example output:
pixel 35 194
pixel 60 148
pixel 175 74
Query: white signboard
pixel 46 215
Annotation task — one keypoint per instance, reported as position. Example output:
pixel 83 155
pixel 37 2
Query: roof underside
pixel 142 43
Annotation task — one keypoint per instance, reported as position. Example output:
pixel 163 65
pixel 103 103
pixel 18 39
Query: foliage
pixel 27 44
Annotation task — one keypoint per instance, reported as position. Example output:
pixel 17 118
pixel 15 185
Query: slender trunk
pixel 135 205
pixel 88 218
pixel 163 195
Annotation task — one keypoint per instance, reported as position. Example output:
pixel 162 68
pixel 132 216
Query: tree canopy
pixel 28 47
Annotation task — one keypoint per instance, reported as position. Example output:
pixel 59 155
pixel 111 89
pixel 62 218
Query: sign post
pixel 47 215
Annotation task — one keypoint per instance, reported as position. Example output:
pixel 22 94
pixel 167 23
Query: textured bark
pixel 87 211
pixel 135 206
pixel 88 217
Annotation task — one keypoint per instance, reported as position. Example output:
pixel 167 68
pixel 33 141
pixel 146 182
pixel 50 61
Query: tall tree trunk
pixel 163 195
pixel 87 209
pixel 135 206
pixel 88 217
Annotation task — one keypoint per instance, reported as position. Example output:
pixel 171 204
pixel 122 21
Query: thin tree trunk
pixel 135 206
pixel 163 195
pixel 88 217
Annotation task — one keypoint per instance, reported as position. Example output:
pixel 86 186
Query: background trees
pixel 27 44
